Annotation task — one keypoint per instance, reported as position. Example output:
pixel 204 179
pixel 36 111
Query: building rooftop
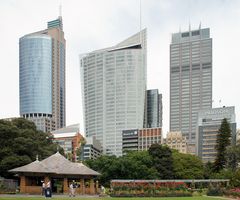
pixel 55 164
pixel 134 41
pixel 68 129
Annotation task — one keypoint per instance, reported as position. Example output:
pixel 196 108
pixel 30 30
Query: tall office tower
pixel 208 124
pixel 113 90
pixel 42 77
pixel 153 112
pixel 190 80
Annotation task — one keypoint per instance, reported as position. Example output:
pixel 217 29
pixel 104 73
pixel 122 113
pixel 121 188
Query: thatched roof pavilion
pixel 56 168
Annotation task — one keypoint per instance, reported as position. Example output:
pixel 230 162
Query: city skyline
pixel 19 18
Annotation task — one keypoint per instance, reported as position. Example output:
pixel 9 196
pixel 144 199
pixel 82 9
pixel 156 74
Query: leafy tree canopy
pixel 20 143
pixel 233 156
pixel 162 160
pixel 133 165
pixel 187 166
pixel 159 162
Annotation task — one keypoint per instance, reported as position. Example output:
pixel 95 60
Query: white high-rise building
pixel 190 80
pixel 113 90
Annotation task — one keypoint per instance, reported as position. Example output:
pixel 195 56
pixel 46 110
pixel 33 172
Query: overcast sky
pixel 96 24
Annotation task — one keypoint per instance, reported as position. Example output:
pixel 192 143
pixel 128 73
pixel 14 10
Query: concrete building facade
pixel 130 140
pixel 175 140
pixel 190 79
pixel 42 77
pixel 208 124
pixel 238 136
pixel 113 90
pixel 92 149
pixel 140 139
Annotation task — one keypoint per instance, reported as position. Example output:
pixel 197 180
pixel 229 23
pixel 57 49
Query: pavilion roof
pixel 56 164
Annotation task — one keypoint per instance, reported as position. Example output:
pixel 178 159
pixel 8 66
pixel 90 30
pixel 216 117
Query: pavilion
pixel 60 171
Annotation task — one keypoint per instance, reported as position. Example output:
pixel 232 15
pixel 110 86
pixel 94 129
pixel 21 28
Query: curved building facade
pixel 113 85
pixel 42 77
pixel 35 75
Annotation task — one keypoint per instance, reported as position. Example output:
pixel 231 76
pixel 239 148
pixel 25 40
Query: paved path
pixel 227 198
pixel 54 195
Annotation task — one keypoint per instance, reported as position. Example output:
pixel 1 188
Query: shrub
pixel 215 191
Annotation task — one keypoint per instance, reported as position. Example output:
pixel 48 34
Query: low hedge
pixel 215 191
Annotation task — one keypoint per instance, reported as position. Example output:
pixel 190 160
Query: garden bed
pixel 150 189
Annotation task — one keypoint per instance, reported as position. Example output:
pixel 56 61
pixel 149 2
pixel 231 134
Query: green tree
pixel 235 179
pixel 208 170
pixel 107 166
pixel 138 165
pixel 162 160
pixel 187 166
pixel 133 165
pixel 223 141
pixel 20 143
pixel 233 156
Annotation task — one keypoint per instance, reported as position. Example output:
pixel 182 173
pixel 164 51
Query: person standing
pixel 71 191
pixel 74 187
pixel 48 191
pixel 43 188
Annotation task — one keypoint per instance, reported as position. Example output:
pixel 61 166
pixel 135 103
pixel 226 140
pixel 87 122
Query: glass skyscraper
pixel 42 77
pixel 190 80
pixel 153 113
pixel 113 90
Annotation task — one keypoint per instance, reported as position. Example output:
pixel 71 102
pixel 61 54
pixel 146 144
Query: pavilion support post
pixel 92 190
pixel 193 184
pixel 22 184
pixel 97 187
pixel 82 185
pixel 65 186
pixel 227 183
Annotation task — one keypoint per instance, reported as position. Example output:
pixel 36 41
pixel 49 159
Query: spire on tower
pixel 140 20
pixel 60 10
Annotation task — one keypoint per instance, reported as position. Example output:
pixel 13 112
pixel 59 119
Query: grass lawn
pixel 108 198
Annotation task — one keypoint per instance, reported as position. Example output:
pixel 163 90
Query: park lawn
pixel 108 198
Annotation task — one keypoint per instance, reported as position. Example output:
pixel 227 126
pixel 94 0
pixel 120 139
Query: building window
pixel 185 34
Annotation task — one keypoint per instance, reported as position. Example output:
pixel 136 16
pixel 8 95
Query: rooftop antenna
pixel 220 103
pixel 60 10
pixel 140 20
pixel 200 25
